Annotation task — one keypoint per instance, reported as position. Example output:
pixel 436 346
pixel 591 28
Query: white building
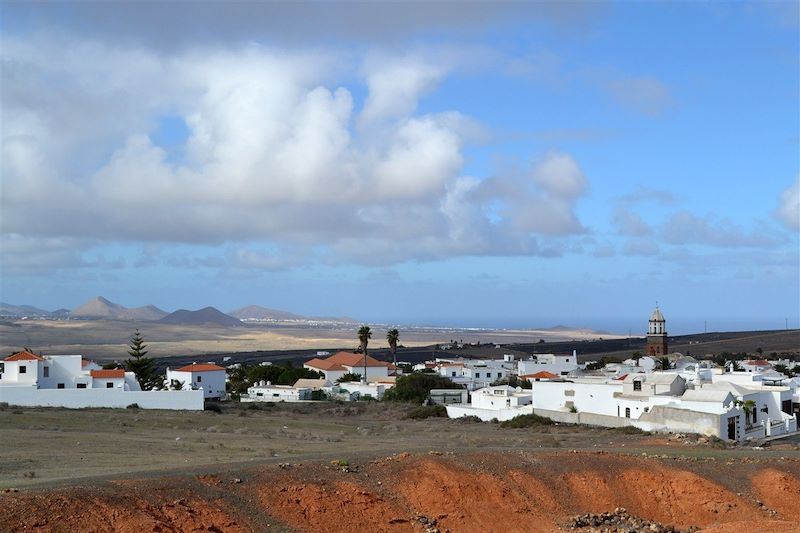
pixel 206 376
pixel 70 381
pixel 561 365
pixel 341 363
pixel 267 392
pixel 472 373
pixel 500 402
pixel 660 401
pixel 62 372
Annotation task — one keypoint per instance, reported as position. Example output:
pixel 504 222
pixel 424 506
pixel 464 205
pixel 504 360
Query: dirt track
pixel 512 491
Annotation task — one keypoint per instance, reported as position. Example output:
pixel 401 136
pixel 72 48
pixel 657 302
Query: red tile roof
pixel 24 356
pixel 324 364
pixel 342 359
pixel 200 367
pixel 107 373
pixel 543 374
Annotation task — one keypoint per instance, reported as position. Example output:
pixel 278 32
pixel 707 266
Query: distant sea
pixel 618 326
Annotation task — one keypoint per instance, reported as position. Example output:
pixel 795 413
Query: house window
pixel 46 372
pixel 567 360
pixel 23 369
pixel 199 379
pixel 2 367
pixel 109 384
pixel 627 412
pixel 499 374
pixel 453 374
pixel 637 385
pixel 477 374
pixel 60 386
pixel 81 385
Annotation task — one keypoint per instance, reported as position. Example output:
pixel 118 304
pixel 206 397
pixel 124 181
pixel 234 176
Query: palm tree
pixel 364 335
pixel 393 336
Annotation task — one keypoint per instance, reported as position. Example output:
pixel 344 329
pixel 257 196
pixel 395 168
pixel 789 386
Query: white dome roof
pixel 657 316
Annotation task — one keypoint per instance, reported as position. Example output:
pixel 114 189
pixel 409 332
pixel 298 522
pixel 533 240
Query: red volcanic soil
pixel 517 491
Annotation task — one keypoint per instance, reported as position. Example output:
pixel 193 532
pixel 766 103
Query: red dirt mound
pixel 779 491
pixel 341 506
pixel 77 513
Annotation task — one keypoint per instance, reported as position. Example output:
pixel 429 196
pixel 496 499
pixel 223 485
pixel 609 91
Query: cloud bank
pixel 278 151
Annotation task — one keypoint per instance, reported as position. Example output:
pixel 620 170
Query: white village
pixel 741 401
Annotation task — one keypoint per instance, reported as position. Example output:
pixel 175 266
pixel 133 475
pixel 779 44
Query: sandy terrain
pixel 328 467
pixel 108 339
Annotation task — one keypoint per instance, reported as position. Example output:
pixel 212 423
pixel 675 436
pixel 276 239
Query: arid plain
pixel 108 339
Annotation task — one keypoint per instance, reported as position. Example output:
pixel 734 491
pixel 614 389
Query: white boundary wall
pixel 190 400
pixel 457 410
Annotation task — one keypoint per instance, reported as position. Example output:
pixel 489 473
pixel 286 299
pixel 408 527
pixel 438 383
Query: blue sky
pixel 517 164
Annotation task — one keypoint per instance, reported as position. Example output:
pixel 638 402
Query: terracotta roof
pixel 200 367
pixel 107 373
pixel 759 362
pixel 324 364
pixel 544 374
pixel 345 359
pixel 24 356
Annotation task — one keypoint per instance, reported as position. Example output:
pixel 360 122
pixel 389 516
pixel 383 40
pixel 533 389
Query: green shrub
pixel 427 411
pixel 472 419
pixel 133 406
pixel 417 387
pixel 526 421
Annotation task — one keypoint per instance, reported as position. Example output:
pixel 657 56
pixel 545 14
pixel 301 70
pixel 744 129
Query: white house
pixel 70 381
pixel 471 373
pixel 206 376
pixel 500 402
pixel 62 372
pixel 267 392
pixel 341 363
pixel 561 365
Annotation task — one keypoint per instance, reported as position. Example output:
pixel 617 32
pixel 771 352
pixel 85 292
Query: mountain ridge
pixel 202 317
pixel 104 309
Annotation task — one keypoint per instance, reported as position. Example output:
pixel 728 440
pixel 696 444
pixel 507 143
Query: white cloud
pixel 788 211
pixel 272 156
pixel 396 87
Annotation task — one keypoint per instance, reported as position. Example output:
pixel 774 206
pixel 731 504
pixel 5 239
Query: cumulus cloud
pixel 273 155
pixel 788 211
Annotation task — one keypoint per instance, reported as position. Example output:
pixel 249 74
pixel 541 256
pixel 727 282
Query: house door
pixel 732 423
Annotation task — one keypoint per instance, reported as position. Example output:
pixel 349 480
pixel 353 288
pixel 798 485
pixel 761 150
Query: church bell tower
pixel 657 334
